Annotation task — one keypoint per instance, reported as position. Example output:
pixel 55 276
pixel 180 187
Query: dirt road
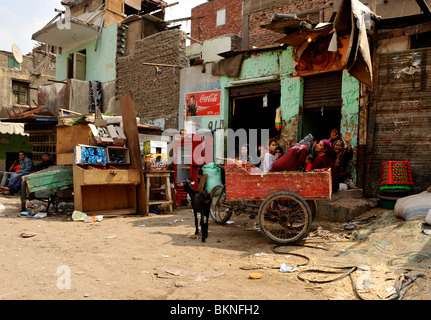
pixel 147 258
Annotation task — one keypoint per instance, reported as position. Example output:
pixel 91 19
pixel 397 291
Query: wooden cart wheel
pixel 285 217
pixel 220 210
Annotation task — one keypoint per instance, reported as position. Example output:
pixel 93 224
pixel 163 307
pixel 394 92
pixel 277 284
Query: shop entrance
pixel 255 111
pixel 322 103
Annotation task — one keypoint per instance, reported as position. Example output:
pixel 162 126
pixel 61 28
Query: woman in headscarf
pixel 322 160
pixel 341 157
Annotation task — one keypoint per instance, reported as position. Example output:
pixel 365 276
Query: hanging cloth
pixel 96 96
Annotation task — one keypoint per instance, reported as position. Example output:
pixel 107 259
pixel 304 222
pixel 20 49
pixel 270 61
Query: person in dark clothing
pixel 46 163
pixel 25 168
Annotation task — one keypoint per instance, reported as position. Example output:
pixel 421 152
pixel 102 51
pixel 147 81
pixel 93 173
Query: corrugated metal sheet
pixel 12 128
pixel 403 115
pixel 323 90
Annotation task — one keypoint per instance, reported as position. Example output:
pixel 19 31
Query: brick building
pixel 216 18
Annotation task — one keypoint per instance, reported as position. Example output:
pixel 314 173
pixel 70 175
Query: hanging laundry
pixel 158 73
pixel 96 96
pixel 278 118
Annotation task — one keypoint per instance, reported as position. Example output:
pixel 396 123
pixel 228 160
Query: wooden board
pixel 92 176
pixel 47 180
pixel 244 185
pixel 68 137
pixel 130 127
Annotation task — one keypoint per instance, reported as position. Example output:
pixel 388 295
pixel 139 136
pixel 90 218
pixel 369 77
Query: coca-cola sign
pixel 206 103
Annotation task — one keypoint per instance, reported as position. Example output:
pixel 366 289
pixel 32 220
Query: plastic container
pixel 388 202
pixel 395 173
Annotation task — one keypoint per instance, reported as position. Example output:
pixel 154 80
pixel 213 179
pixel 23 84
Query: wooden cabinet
pixel 105 192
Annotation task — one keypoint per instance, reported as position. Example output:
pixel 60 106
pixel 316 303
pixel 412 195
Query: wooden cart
pixel 284 201
pixel 52 184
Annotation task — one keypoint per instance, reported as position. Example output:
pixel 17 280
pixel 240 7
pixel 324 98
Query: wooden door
pixel 79 66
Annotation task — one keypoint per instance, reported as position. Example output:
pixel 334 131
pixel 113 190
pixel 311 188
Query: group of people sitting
pixel 20 168
pixel 310 154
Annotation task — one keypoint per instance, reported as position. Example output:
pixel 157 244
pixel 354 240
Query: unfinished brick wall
pixel 311 9
pixel 206 28
pixel 154 100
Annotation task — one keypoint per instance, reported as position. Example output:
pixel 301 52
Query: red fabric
pixel 321 162
pixel 292 160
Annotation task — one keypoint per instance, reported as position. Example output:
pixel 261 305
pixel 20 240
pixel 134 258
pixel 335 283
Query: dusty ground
pixel 158 257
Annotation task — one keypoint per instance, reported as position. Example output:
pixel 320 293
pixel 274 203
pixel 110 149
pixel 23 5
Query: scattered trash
pixel 40 215
pixel 427 231
pixel 93 218
pixel 141 225
pixel 78 215
pixel 230 222
pixel 167 271
pixel 2 207
pixel 111 236
pixel 285 268
pixel 178 220
pixel 255 276
pixel 164 256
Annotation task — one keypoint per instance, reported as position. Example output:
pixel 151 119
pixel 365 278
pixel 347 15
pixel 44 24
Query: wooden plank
pixel 243 185
pixel 46 180
pixel 108 198
pixel 130 128
pixel 136 4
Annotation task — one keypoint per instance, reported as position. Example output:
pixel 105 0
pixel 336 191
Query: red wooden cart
pixel 284 201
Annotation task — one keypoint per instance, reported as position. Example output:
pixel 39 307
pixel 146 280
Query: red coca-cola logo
pixel 208 98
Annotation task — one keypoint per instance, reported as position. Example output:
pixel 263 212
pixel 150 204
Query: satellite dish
pixel 17 53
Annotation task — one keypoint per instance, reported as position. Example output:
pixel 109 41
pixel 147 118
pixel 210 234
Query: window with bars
pixel 20 92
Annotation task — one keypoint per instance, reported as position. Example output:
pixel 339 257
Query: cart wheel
pixel 285 217
pixel 220 212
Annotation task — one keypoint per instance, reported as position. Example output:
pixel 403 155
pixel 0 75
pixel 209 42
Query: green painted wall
pixel 100 64
pixel 350 91
pixel 12 143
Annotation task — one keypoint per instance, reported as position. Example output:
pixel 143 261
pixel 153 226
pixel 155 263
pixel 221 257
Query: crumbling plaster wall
pixel 156 101
pixel 35 70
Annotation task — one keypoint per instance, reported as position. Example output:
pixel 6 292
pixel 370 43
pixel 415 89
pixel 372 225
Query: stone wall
pixel 156 101
pixel 36 69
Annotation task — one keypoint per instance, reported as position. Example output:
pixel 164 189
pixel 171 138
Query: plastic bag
pixel 213 173
pixel 413 207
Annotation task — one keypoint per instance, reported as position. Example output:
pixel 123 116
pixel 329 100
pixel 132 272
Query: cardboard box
pixel 117 133
pixel 156 160
pixel 118 155
pixel 101 134
pixel 90 155
pixel 154 147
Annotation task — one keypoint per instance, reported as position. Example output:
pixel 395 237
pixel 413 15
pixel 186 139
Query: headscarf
pixel 327 144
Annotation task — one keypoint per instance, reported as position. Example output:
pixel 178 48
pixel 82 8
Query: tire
pixel 313 207
pixel 219 212
pixel 285 217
